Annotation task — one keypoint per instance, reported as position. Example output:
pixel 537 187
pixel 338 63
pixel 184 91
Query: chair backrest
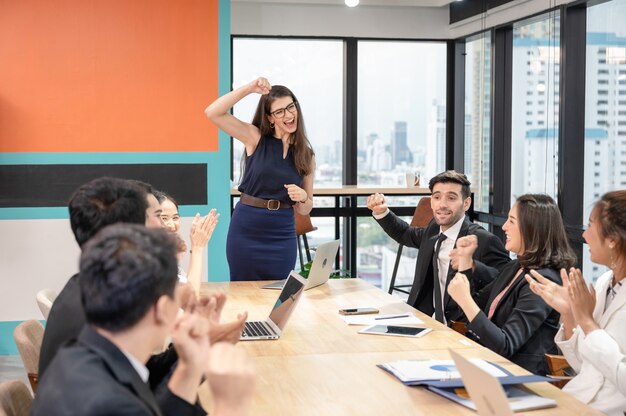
pixel 15 398
pixel 28 336
pixel 423 213
pixel 303 223
pixel 558 366
pixel 460 327
pixel 45 297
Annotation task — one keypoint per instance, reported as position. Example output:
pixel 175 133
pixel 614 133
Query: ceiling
pixel 386 3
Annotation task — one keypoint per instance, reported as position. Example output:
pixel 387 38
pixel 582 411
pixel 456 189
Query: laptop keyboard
pixel 256 329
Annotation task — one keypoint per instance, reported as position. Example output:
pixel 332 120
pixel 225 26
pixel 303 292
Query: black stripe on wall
pixel 52 185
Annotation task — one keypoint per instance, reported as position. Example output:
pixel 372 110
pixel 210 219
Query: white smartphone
pixel 398 331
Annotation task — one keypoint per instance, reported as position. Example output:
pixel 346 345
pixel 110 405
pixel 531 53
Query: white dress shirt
pixel 139 367
pixel 443 261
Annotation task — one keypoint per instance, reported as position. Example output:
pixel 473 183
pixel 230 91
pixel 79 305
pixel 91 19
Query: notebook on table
pixel 321 268
pixel 484 393
pixel 274 325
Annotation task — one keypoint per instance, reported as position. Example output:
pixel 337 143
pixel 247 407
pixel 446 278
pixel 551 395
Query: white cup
pixel 410 179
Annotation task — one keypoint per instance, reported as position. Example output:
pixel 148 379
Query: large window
pixel 535 106
pixel 401 111
pixel 313 70
pixel 478 117
pixel 605 108
pixel 376 251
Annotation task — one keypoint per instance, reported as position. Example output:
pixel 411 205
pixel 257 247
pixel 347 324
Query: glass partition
pixel 313 71
pixel 401 111
pixel 535 106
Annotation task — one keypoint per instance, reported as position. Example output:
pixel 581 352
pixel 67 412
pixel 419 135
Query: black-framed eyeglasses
pixel 280 113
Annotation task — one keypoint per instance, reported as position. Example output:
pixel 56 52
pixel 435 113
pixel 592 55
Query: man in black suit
pixel 93 206
pixel 436 259
pixel 128 276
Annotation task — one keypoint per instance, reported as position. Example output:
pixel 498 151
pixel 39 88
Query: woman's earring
pixel 271 125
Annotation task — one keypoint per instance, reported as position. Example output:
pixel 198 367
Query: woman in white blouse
pixel 593 331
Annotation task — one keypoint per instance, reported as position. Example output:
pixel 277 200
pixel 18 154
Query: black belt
pixel 271 204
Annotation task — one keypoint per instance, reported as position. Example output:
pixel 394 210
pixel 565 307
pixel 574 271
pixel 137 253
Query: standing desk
pixel 345 206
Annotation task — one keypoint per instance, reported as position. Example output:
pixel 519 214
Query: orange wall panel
pixel 107 75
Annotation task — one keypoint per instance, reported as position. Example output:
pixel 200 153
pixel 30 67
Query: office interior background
pixel 522 96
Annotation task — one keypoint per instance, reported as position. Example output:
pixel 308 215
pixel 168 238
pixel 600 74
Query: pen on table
pixel 406 315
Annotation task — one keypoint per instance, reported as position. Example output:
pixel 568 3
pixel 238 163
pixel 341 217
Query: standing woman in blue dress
pixel 278 166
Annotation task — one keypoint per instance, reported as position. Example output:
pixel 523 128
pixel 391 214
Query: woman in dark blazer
pixel 506 316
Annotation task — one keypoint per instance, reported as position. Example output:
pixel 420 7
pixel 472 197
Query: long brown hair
pixel 543 233
pixel 611 214
pixel 302 150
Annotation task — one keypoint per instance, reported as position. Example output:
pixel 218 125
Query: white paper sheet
pixel 388 319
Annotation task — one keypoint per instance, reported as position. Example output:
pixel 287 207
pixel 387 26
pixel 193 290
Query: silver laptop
pixel 321 268
pixel 488 394
pixel 273 327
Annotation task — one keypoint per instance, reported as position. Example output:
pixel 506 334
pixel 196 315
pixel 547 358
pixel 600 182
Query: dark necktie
pixel 437 287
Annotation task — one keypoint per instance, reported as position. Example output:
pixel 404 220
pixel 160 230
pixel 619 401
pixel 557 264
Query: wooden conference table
pixel 321 366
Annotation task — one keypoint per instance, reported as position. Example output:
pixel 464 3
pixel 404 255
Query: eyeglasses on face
pixel 280 113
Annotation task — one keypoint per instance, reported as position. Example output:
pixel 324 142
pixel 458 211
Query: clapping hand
pixel 190 336
pixel 229 331
pixel 377 203
pixel 231 376
pixel 582 299
pixel 556 296
pixel 210 307
pixel 202 229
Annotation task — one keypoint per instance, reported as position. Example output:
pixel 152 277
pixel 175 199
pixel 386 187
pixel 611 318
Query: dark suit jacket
pixel 93 377
pixel 523 326
pixel 488 258
pixel 66 320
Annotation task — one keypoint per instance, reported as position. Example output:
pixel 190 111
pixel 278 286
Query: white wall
pixel 338 20
pixel 49 245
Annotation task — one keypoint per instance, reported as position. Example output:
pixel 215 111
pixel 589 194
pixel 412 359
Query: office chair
pixel 15 399
pixel 421 217
pixel 28 337
pixel 45 297
pixel 559 368
pixel 303 226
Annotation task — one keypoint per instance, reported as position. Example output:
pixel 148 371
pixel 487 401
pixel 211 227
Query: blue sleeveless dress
pixel 261 244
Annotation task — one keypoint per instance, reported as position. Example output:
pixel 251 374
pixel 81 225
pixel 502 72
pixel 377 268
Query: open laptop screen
pixel 292 290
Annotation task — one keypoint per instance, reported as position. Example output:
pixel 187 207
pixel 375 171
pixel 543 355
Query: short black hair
pixel 105 201
pixel 124 270
pixel 146 187
pixel 452 176
pixel 162 196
